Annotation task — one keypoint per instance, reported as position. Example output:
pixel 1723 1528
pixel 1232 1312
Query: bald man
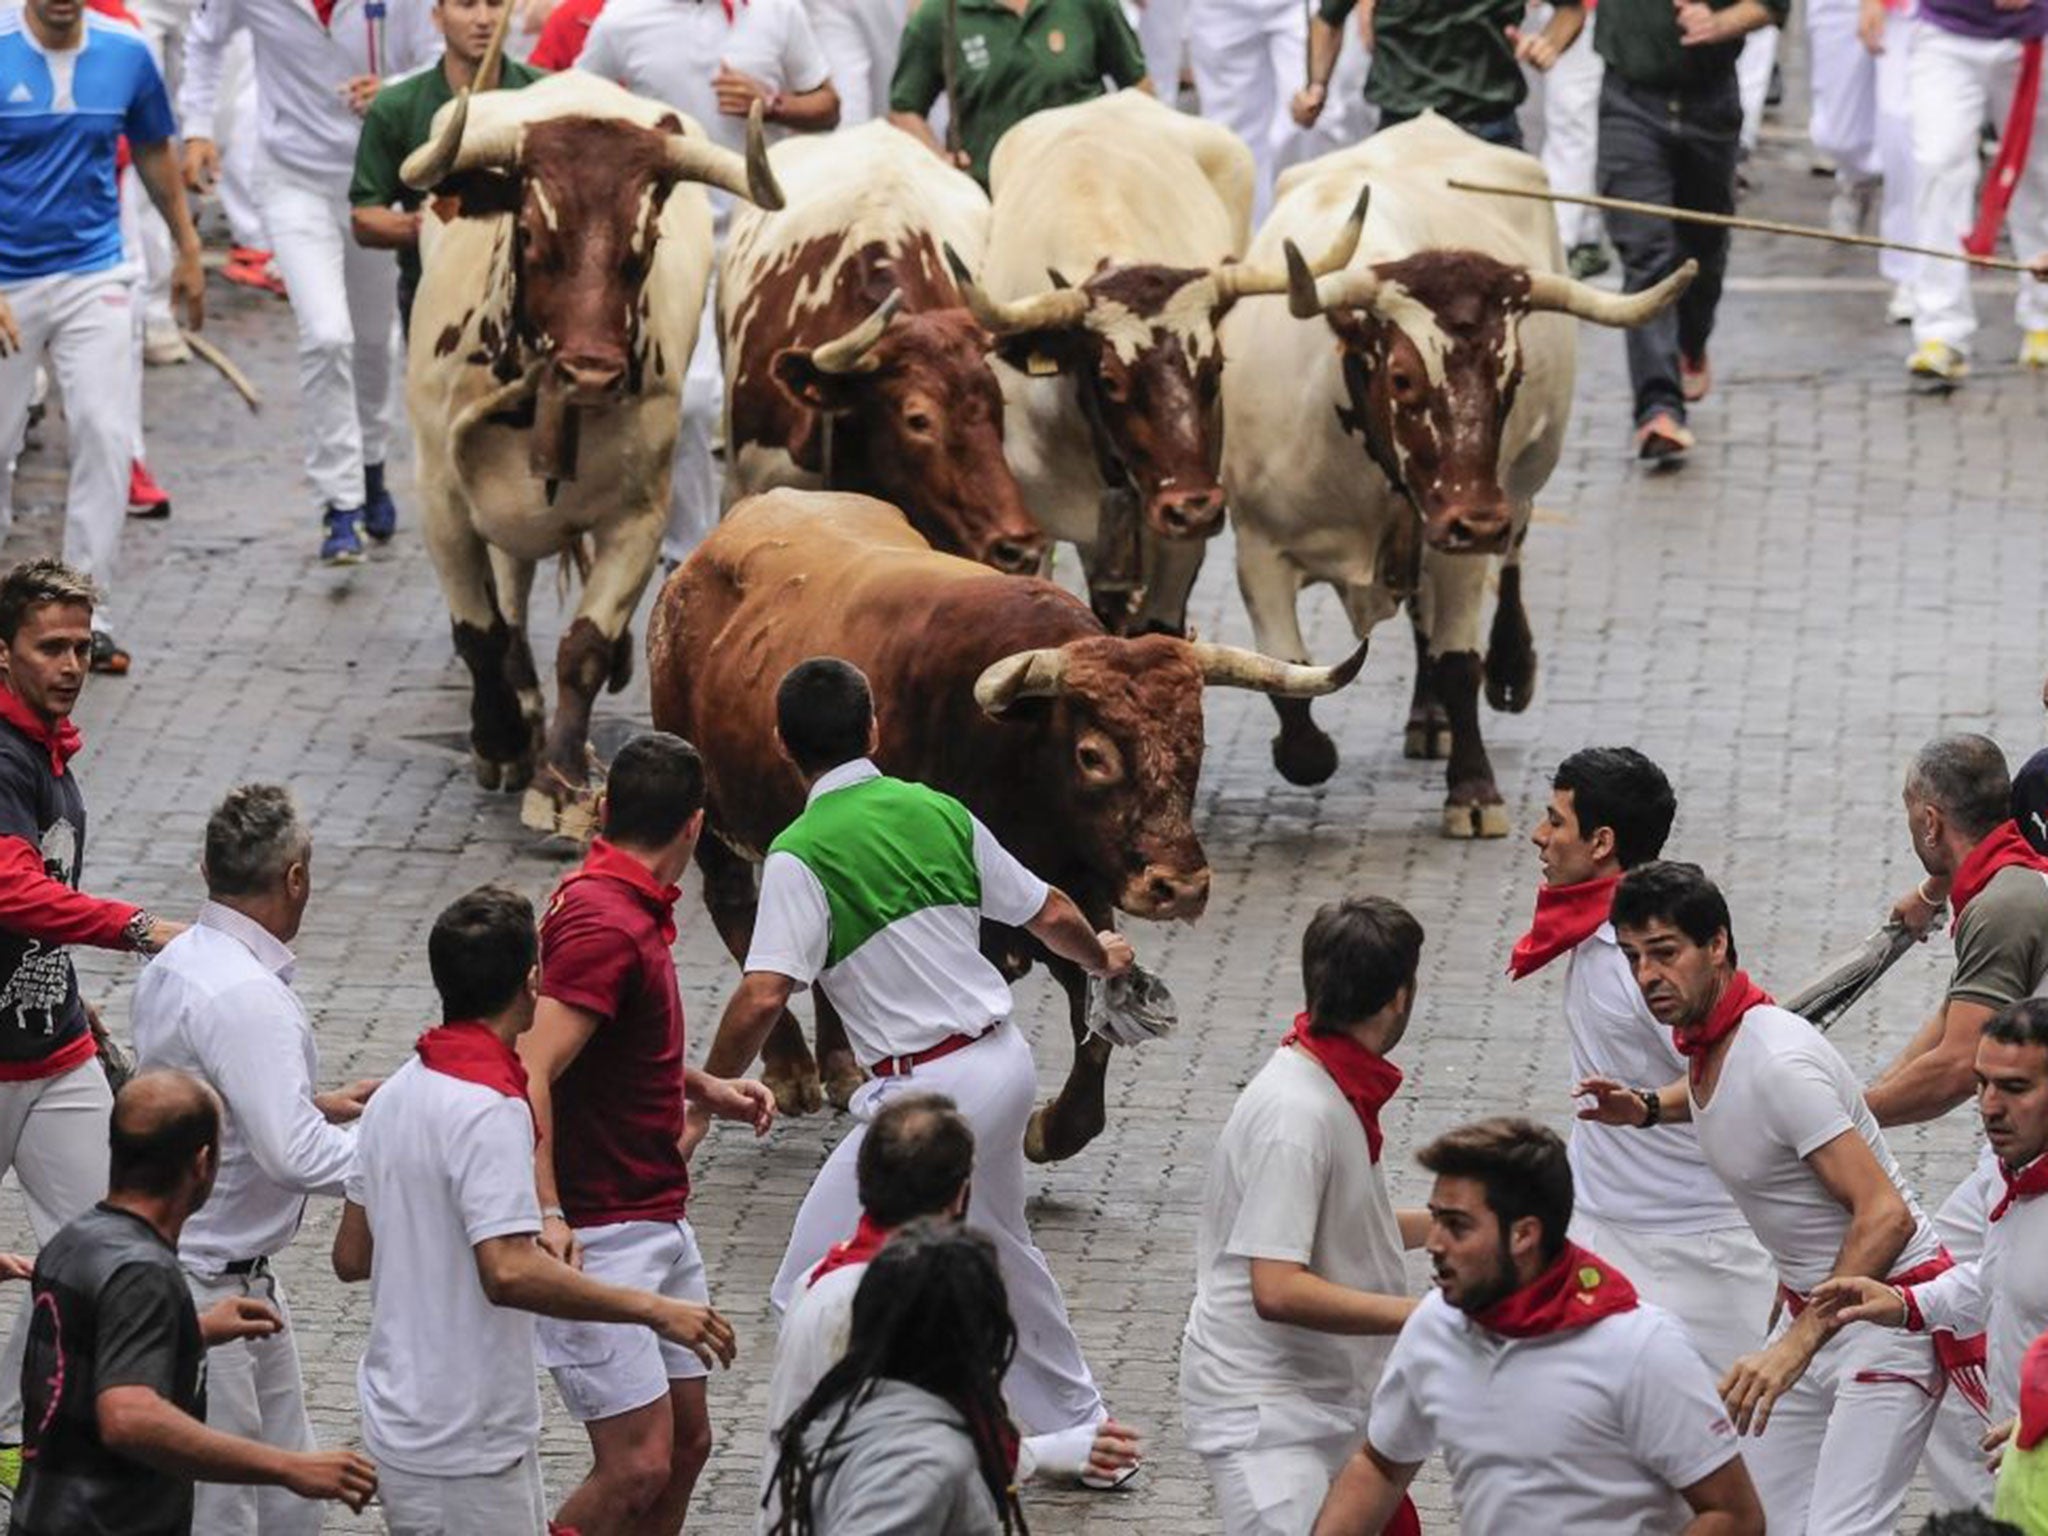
pixel 113 1385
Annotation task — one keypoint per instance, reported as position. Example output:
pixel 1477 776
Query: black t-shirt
pixel 39 1006
pixel 110 1310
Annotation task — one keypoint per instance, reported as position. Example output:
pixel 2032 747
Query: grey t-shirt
pixel 2002 940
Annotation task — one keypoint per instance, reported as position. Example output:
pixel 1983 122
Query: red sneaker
pixel 253 269
pixel 145 497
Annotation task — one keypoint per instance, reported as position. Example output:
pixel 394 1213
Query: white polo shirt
pixel 218 1004
pixel 2002 1291
pixel 1784 1093
pixel 1292 1178
pixel 1652 1180
pixel 1592 1430
pixel 447 1381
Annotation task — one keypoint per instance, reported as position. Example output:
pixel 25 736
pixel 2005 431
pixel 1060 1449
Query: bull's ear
pixel 806 384
pixel 1041 353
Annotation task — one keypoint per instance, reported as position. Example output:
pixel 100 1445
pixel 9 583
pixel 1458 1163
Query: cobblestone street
pixel 1842 571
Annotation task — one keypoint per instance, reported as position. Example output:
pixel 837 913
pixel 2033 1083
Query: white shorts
pixel 507 1503
pixel 606 1369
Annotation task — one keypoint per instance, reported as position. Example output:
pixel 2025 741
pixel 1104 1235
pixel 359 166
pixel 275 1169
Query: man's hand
pixel 1995 1440
pixel 188 288
pixel 16 1266
pixel 202 164
pixel 1754 1383
pixel 1915 913
pixel 1117 954
pixel 698 1329
pixel 346 1104
pixel 238 1317
pixel 10 333
pixel 161 933
pixel 559 1240
pixel 1115 1448
pixel 738 92
pixel 340 1475
pixel 360 91
pixel 1699 25
pixel 1860 1299
pixel 1365 10
pixel 1870 26
pixel 1533 49
pixel 1308 103
pixel 737 1098
pixel 1614 1103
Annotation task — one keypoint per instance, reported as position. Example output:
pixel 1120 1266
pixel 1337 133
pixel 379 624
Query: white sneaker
pixel 163 345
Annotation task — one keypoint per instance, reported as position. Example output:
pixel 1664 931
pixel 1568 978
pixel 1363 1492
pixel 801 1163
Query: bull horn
pixel 694 158
pixel 434 161
pixel 1566 296
pixel 1024 675
pixel 1236 280
pixel 1230 666
pixel 1310 294
pixel 1055 309
pixel 849 353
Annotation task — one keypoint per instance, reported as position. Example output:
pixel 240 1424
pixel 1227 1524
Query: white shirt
pixel 1592 1430
pixel 1784 1093
pixel 1645 1181
pixel 218 1003
pixel 301 67
pixel 813 1337
pixel 2002 1291
pixel 1290 1178
pixel 920 979
pixel 447 1379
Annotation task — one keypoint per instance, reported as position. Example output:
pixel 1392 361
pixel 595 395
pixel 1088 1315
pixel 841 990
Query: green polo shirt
pixel 399 121
pixel 1448 56
pixel 1010 65
pixel 1639 41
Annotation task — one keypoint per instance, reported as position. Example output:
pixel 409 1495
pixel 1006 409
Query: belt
pixel 899 1066
pixel 240 1268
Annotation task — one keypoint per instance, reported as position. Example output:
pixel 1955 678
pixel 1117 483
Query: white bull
pixel 566 252
pixel 1393 446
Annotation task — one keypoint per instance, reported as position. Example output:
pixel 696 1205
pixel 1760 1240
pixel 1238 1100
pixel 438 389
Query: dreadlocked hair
pixel 930 1311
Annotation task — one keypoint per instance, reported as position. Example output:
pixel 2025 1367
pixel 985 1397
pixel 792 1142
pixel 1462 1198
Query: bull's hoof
pixel 1053 1138
pixel 508 776
pixel 1469 821
pixel 843 1077
pixel 795 1086
pixel 1427 740
pixel 574 818
pixel 1305 757
pixel 1511 679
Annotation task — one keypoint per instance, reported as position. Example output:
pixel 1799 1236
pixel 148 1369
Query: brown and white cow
pixel 1112 380
pixel 851 361
pixel 1078 749
pixel 566 252
pixel 1394 446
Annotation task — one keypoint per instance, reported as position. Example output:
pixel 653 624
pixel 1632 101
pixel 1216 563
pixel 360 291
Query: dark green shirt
pixel 1011 66
pixel 1448 56
pixel 399 122
pixel 1639 41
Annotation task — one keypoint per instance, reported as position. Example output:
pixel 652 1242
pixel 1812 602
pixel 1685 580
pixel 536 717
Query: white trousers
pixel 1842 1444
pixel 1957 83
pixel 86 322
pixel 693 478
pixel 1249 58
pixel 53 1134
pixel 1862 117
pixel 1720 1285
pixel 1753 79
pixel 1954 1460
pixel 1275 1490
pixel 507 1503
pixel 861 39
pixel 345 300
pixel 1571 129
pixel 136 212
pixel 253 1389
pixel 1162 28
pixel 993 1084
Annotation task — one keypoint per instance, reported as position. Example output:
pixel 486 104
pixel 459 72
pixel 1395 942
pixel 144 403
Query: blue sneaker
pixel 380 512
pixel 344 542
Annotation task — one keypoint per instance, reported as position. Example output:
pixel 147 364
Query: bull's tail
pixel 574 564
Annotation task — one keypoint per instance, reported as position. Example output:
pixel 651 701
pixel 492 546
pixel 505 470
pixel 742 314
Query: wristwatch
pixel 136 933
pixel 1653 1107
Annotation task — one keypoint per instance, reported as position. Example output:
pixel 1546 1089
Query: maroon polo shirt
pixel 618 1109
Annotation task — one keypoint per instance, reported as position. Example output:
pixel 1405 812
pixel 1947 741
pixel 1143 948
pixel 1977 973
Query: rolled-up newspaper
pixel 1132 1008
pixel 1829 995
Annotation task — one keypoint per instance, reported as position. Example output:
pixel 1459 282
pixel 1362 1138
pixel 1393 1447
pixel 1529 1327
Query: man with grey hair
pixel 218 1004
pixel 1958 800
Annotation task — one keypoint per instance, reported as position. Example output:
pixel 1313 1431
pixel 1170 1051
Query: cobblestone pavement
pixel 1842 571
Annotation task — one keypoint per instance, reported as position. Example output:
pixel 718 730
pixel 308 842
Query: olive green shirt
pixel 2001 941
pixel 1010 66
pixel 1639 41
pixel 399 121
pixel 1448 56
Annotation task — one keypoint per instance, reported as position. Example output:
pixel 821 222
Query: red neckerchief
pixel 1365 1079
pixel 2004 177
pixel 1566 916
pixel 608 861
pixel 2001 850
pixel 61 741
pixel 1578 1290
pixel 2030 1181
pixel 1737 998
pixel 865 1243
pixel 468 1049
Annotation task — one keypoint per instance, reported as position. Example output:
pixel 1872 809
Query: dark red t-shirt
pixel 618 1109
pixel 563 34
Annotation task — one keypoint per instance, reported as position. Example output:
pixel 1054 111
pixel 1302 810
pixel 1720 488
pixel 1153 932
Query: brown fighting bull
pixel 566 253
pixel 1078 749
pixel 851 362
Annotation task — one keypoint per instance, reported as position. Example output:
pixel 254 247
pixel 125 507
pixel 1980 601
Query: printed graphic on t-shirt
pixel 42 982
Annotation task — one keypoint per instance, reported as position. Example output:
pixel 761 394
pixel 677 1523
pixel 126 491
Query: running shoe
pixel 2034 350
pixel 1663 440
pixel 163 346
pixel 380 512
pixel 252 268
pixel 107 657
pixel 145 497
pixel 343 544
pixel 1937 367
pixel 1587 261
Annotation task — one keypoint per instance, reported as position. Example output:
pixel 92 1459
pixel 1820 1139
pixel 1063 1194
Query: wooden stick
pixel 1733 221
pixel 208 352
